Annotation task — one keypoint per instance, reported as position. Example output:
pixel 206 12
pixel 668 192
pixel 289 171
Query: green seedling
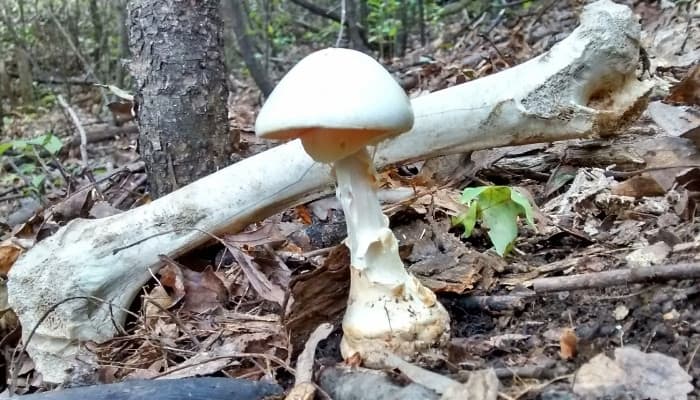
pixel 498 208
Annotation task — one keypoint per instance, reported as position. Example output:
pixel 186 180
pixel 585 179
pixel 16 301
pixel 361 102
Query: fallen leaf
pixel 201 291
pixel 568 344
pixel 102 209
pixel 687 91
pixel 9 252
pixel 503 341
pixel 171 277
pixel 633 374
pixel 560 177
pixel 74 206
pixel 638 186
pixel 267 234
pixel 303 214
pixel 620 312
pixel 671 315
pixel 648 255
pixel 161 298
pixel 258 280
pixel 204 291
pixel 675 120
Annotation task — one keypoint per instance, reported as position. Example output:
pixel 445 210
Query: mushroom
pixel 338 102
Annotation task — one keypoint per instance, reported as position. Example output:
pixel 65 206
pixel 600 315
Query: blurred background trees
pixel 48 45
pixel 81 51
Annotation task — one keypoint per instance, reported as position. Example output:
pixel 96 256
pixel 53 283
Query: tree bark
pixel 26 82
pixel 181 92
pixel 357 40
pixel 245 45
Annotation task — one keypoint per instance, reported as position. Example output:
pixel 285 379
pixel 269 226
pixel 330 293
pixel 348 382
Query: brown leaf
pixel 267 234
pixel 9 252
pixel 303 214
pixel 171 277
pixel 568 344
pixel 262 285
pixel 354 360
pixel 159 296
pixel 687 91
pixel 639 186
pixel 204 291
pixel 74 206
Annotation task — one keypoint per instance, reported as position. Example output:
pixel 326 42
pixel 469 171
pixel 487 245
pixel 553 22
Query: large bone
pixel 583 86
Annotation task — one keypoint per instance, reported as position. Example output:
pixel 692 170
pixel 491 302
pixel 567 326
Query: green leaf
pixel 4 147
pixel 498 208
pixel 53 144
pixel 524 203
pixel 500 216
pixel 471 193
pixel 467 219
pixel 38 180
pixel 27 168
pixel 48 141
pixel 19 145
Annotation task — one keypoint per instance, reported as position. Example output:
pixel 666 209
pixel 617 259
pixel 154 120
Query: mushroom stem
pixel 367 225
pixel 388 308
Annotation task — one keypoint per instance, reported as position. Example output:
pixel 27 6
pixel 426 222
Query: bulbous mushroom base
pixel 405 319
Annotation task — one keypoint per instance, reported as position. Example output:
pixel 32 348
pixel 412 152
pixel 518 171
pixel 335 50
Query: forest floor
pixel 603 205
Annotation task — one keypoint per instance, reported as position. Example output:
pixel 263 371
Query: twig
pixel 79 127
pixel 268 357
pixel 542 385
pixel 342 23
pixel 629 174
pixel 492 303
pixel 304 387
pixel 692 357
pixel 305 362
pixel 177 322
pixel 598 280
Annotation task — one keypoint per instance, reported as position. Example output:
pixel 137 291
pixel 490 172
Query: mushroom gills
pixel 345 142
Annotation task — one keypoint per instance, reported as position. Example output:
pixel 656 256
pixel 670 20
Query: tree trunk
pixel 4 91
pixel 357 41
pixel 181 92
pixel 245 45
pixel 402 34
pixel 123 42
pixel 24 68
pixel 97 30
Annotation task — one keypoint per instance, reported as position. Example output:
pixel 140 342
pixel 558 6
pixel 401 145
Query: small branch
pixel 79 127
pixel 314 9
pixel 303 383
pixel 305 362
pixel 48 80
pixel 496 303
pixel 599 280
pixel 342 23
pixel 74 48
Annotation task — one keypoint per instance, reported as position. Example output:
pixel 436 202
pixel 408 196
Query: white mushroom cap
pixel 337 101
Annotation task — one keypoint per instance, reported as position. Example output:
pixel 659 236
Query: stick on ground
pixel 599 280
